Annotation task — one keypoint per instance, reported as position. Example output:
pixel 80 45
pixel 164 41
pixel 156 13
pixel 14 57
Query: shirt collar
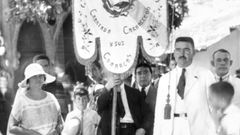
pixel 84 111
pixel 146 88
pixel 122 86
pixel 191 66
pixel 224 78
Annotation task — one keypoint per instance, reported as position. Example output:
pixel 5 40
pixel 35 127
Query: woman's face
pixel 36 81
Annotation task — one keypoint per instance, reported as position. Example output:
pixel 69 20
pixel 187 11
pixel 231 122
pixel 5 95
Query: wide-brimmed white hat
pixel 35 69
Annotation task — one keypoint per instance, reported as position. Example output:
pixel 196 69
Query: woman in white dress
pixel 35 111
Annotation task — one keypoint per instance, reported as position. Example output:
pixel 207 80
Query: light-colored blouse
pixel 39 115
pixel 90 120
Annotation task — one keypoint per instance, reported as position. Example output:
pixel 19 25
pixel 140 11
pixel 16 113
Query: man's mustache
pixel 222 68
pixel 182 57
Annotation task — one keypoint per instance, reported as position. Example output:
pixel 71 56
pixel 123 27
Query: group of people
pixel 188 100
pixel 196 95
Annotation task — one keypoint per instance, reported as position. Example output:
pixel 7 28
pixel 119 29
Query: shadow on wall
pixel 230 43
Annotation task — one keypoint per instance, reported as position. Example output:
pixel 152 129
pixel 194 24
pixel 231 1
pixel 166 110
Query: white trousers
pixel 181 126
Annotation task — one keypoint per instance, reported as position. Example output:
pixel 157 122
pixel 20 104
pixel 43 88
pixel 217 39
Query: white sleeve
pixel 230 127
pixel 16 111
pixel 157 118
pixel 55 101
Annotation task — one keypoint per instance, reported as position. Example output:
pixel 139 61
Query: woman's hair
pixel 27 82
pixel 40 57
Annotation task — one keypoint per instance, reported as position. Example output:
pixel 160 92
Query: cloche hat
pixel 35 69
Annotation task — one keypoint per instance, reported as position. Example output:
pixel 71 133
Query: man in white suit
pixel 221 62
pixel 181 107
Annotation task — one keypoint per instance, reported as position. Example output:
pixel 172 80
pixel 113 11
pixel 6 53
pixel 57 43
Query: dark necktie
pixel 143 92
pixel 181 84
pixel 120 107
pixel 220 79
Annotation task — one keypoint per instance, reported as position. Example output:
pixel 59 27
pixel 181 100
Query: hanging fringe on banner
pixel 85 40
pixel 120 23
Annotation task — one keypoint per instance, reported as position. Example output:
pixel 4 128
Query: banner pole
pixel 114 107
pixel 82 122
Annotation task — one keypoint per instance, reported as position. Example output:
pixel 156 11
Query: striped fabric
pixel 39 115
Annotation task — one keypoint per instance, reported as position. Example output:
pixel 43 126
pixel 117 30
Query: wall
pixel 230 43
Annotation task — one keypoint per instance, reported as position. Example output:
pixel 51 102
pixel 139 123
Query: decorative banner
pixel 123 21
pixel 116 55
pixel 155 44
pixel 85 44
pixel 2 47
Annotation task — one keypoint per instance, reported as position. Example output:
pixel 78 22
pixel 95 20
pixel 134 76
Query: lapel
pixel 173 88
pixel 149 96
pixel 128 95
pixel 152 91
pixel 191 79
pixel 167 83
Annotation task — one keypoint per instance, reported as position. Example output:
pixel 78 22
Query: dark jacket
pixel 151 101
pixel 5 109
pixel 138 108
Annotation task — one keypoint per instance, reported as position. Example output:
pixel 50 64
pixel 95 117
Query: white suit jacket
pixel 236 84
pixel 195 100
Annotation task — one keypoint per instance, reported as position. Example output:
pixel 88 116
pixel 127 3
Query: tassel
pixel 167 109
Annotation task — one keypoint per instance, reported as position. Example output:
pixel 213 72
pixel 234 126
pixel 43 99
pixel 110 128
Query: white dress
pixel 39 115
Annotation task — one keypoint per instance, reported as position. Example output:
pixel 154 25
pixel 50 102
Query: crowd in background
pixel 44 106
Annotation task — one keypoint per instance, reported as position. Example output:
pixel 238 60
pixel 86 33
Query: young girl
pixel 35 112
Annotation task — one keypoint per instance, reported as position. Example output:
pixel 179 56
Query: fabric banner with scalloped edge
pixel 85 41
pixel 157 44
pixel 117 56
pixel 122 18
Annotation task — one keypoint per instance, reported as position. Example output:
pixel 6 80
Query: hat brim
pixel 48 79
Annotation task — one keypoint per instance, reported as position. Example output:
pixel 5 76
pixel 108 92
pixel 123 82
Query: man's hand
pixel 113 81
pixel 140 131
